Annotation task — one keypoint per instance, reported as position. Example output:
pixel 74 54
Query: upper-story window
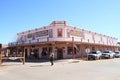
pixel 29 36
pixel 70 50
pixel 68 33
pixel 59 32
pixel 50 33
pixel 22 38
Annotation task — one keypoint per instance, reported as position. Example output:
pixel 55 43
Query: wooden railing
pixel 12 57
pixel 61 39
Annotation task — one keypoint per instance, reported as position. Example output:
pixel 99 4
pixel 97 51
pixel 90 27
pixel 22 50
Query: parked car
pixel 117 54
pixel 108 54
pixel 94 55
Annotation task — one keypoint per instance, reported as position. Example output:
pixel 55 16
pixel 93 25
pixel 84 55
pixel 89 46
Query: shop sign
pixel 38 34
pixel 87 50
pixel 76 33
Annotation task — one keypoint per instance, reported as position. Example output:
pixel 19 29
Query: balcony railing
pixel 63 39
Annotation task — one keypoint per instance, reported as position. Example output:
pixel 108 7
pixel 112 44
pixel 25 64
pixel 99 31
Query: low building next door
pixel 59 53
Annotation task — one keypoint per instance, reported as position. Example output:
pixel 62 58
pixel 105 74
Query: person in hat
pixel 51 58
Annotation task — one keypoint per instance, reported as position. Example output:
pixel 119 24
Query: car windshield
pixel 106 52
pixel 93 53
pixel 117 52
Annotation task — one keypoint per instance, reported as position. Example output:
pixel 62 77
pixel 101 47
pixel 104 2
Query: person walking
pixel 52 58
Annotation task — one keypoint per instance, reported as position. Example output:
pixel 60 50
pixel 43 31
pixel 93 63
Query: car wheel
pixel 100 57
pixel 109 57
pixel 89 58
pixel 96 58
pixel 113 56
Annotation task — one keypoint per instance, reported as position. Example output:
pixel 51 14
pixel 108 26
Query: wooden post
pixel 81 48
pixel 73 54
pixel 0 58
pixel 24 57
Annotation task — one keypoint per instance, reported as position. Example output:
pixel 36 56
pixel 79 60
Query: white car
pixel 108 54
pixel 94 55
pixel 117 54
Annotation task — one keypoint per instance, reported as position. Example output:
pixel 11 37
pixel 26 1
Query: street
pixel 68 69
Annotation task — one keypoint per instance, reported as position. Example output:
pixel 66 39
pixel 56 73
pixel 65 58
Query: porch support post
pixel 73 54
pixel 0 54
pixel 24 57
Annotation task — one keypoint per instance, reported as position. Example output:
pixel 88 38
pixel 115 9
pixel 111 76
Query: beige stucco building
pixel 64 40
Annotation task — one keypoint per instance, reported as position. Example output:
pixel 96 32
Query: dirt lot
pixel 108 69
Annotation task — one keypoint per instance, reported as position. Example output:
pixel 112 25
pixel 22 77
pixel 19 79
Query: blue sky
pixel 102 16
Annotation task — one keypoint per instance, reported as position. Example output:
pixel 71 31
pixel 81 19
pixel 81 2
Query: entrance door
pixel 36 53
pixel 26 52
pixel 59 53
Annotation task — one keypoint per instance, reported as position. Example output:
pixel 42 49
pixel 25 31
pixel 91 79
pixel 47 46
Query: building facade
pixel 64 40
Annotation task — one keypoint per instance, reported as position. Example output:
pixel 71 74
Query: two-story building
pixel 64 40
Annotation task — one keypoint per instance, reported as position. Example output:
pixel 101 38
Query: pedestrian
pixel 52 58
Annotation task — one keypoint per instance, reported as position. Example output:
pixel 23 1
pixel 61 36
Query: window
pixel 50 33
pixel 50 49
pixel 33 37
pixel 29 36
pixel 68 33
pixel 59 32
pixel 70 50
pixel 44 49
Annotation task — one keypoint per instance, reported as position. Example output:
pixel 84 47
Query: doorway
pixel 26 52
pixel 36 53
pixel 59 53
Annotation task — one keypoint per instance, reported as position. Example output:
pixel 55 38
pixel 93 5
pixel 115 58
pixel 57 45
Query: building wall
pixel 59 30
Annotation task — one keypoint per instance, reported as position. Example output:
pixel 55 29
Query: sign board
pixel 87 50
pixel 13 58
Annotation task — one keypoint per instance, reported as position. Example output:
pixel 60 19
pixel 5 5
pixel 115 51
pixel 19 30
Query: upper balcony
pixel 63 39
